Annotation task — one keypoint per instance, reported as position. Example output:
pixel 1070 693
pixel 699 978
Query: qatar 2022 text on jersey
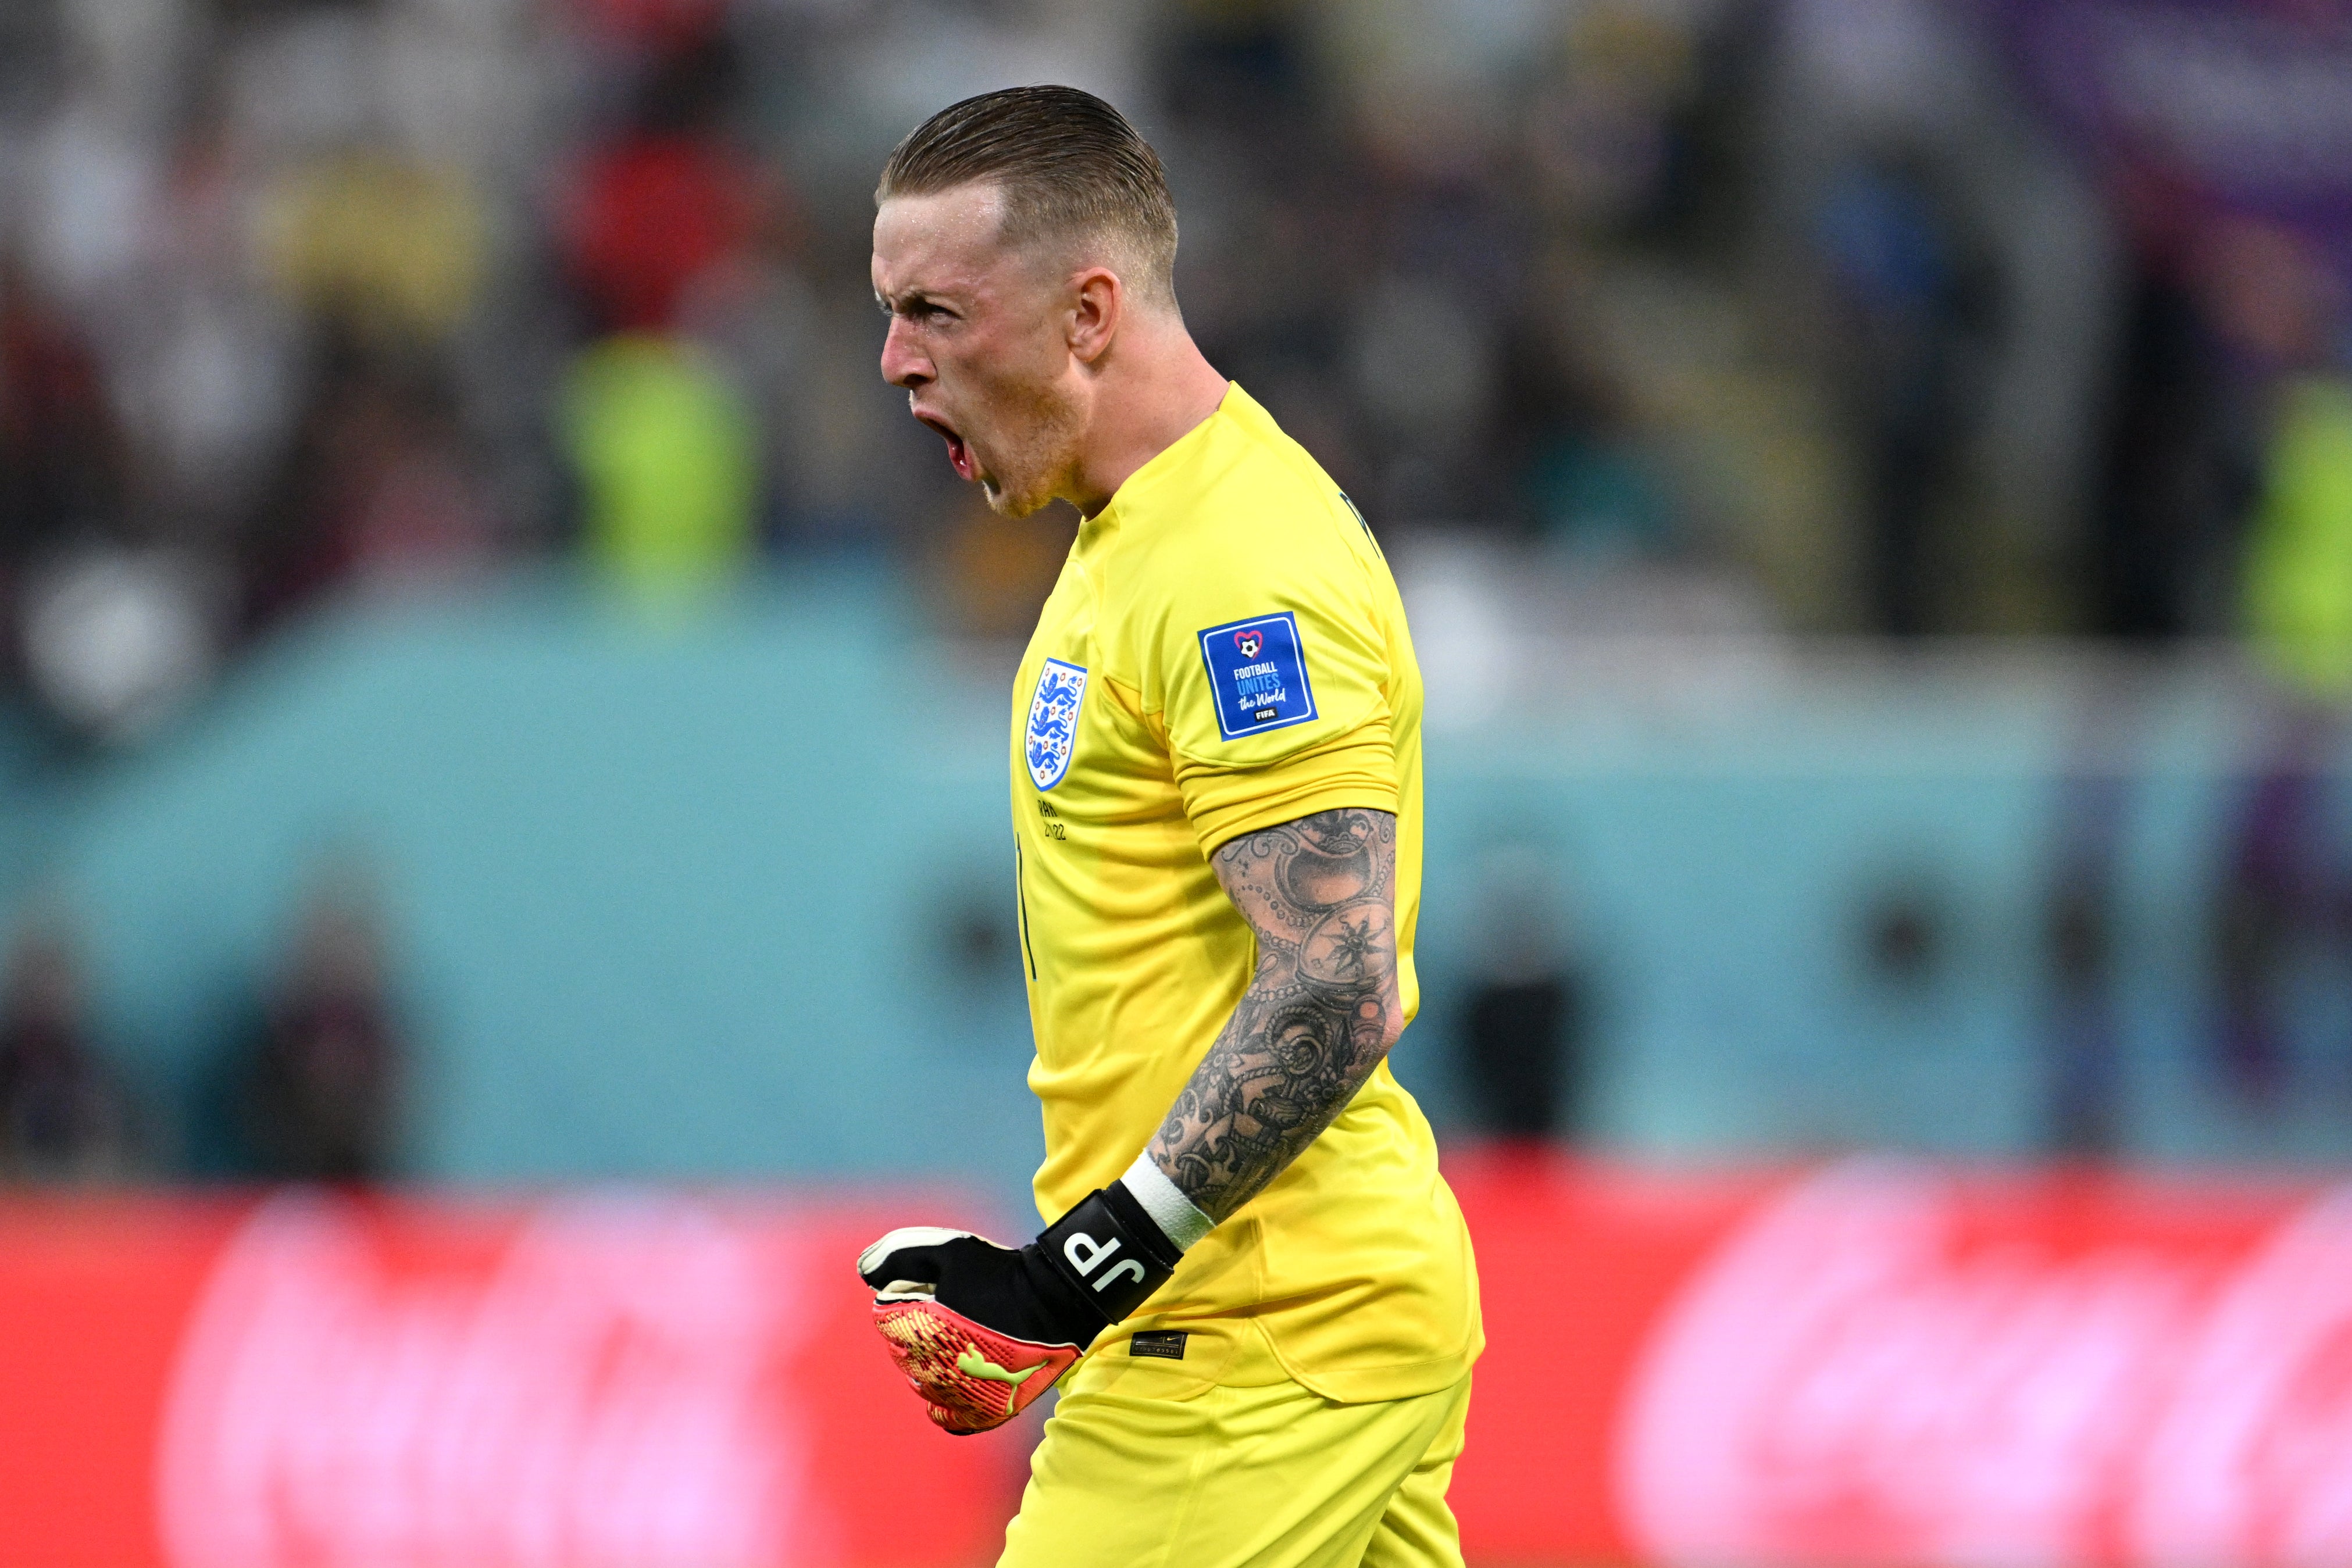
pixel 1225 652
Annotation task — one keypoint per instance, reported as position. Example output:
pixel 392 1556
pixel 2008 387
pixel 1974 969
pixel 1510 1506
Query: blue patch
pixel 1053 721
pixel 1258 673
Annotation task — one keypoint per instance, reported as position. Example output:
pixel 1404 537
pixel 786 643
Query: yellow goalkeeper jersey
pixel 1225 652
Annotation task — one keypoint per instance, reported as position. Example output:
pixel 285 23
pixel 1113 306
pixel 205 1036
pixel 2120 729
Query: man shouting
pixel 1256 1290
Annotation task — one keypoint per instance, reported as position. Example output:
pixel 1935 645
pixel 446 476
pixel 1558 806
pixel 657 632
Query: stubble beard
pixel 1040 466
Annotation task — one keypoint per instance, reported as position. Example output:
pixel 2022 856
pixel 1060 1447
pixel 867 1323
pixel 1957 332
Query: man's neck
pixel 1164 390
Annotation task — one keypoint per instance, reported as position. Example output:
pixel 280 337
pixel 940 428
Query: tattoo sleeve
pixel 1321 1011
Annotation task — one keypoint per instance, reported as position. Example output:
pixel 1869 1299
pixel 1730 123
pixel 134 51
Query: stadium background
pixel 501 702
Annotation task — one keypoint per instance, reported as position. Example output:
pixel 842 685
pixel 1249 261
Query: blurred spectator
pixel 654 214
pixel 1592 165
pixel 62 1117
pixel 1933 275
pixel 380 490
pixel 1910 303
pixel 2275 899
pixel 61 458
pixel 2162 528
pixel 2281 311
pixel 1519 1031
pixel 2084 1033
pixel 665 233
pixel 663 203
pixel 2085 1081
pixel 1526 1019
pixel 112 634
pixel 667 465
pixel 390 247
pixel 321 1080
pixel 754 310
pixel 201 354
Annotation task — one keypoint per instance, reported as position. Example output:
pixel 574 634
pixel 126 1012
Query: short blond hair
pixel 1069 164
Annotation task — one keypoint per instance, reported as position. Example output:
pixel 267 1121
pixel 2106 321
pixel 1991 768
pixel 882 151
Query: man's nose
pixel 903 365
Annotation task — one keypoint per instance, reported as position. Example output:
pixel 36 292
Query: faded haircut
pixel 1069 164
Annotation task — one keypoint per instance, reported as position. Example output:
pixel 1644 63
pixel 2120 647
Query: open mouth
pixel 958 455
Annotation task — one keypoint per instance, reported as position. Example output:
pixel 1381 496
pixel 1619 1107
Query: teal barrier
pixel 732 898
pixel 667 898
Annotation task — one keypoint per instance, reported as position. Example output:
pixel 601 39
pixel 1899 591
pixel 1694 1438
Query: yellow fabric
pixel 1354 1261
pixel 667 459
pixel 397 247
pixel 1260 1475
pixel 2299 565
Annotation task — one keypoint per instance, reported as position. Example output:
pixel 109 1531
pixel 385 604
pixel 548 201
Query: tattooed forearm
pixel 1321 1012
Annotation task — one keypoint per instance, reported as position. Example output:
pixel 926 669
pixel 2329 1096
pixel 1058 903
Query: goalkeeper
pixel 1256 1292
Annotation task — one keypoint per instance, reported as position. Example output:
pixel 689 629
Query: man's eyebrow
pixel 913 300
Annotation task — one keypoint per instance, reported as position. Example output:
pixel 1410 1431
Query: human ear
pixel 1097 300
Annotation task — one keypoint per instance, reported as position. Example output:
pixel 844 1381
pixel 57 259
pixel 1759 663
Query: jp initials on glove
pixel 981 1329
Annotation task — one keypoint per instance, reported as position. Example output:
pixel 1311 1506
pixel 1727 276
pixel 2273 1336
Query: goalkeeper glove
pixel 981 1329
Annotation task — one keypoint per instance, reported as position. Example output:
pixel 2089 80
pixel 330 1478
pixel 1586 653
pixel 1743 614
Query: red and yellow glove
pixel 981 1329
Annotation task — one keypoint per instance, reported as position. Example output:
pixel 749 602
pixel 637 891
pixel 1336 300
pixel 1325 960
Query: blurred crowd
pixel 1812 297
pixel 305 1082
pixel 1835 305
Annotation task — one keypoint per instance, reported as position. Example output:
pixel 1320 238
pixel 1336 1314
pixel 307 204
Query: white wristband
pixel 1163 1200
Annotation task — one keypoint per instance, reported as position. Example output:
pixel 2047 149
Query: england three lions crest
pixel 1053 721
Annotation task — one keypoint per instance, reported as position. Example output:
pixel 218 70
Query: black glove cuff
pixel 1113 1252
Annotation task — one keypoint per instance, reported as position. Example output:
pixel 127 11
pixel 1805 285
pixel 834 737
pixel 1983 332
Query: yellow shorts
pixel 1141 1469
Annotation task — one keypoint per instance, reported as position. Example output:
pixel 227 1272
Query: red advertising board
pixel 1870 1363
pixel 1881 1363
pixel 626 1380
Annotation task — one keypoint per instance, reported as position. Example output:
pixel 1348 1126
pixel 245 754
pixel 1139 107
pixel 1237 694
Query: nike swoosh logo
pixel 974 1364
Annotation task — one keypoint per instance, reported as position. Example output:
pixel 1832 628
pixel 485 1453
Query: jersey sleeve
pixel 1273 688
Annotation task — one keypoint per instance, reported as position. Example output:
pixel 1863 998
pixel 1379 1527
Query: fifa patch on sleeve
pixel 1257 673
